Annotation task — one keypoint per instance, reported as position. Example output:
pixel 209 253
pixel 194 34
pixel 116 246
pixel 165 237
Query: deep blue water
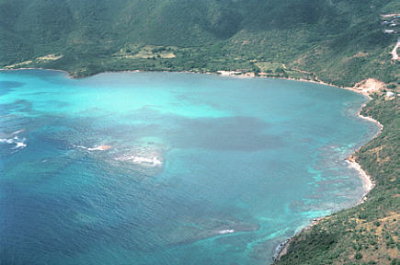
pixel 196 169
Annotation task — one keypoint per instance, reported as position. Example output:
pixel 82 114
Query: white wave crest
pixel 19 143
pixel 226 231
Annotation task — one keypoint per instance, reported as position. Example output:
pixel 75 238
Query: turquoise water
pixel 168 168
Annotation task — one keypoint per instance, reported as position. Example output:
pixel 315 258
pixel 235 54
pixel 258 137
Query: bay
pixel 169 168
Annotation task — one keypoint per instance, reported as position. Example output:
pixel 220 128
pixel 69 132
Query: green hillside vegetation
pixel 338 41
pixel 341 41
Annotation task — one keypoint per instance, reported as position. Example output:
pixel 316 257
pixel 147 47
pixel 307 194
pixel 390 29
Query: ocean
pixel 169 168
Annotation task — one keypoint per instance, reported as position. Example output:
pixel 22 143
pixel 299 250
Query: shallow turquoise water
pixel 198 169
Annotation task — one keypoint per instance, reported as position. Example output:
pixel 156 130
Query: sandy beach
pixel 367 180
pixel 368 183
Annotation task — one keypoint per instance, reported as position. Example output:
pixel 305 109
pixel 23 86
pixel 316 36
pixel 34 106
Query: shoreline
pixel 218 73
pixel 36 68
pixel 367 181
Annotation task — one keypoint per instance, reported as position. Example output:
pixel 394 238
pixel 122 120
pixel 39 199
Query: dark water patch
pixel 230 133
pixel 8 86
pixel 54 234
pixel 18 106
pixel 225 133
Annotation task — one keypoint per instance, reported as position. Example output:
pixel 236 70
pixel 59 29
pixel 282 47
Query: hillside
pixel 341 41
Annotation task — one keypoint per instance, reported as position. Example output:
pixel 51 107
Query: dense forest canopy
pixel 320 36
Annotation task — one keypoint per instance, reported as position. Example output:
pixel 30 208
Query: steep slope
pixel 325 37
